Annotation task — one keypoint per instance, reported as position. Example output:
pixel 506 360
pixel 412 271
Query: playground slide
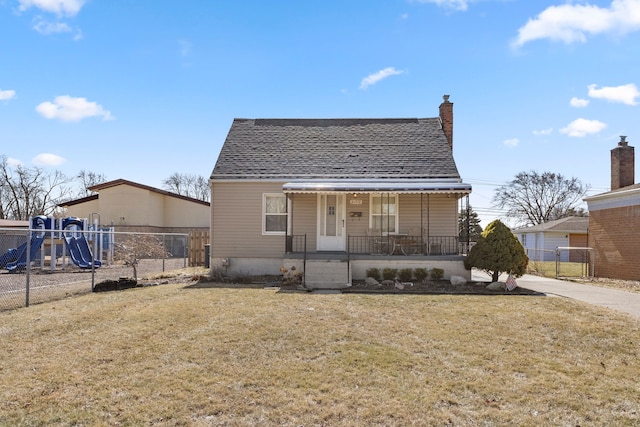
pixel 80 252
pixel 21 252
pixel 85 252
pixel 75 253
pixel 11 255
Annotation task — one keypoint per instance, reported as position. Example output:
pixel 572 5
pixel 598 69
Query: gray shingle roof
pixel 571 224
pixel 335 148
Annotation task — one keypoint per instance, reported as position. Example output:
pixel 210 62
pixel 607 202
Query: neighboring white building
pixel 540 241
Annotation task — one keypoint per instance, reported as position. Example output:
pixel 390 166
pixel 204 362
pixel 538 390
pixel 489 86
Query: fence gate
pixel 197 240
pixel 574 262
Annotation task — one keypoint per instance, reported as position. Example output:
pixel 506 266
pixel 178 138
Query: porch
pixel 337 269
pixel 381 246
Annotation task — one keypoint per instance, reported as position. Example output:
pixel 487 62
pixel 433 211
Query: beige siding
pixel 439 214
pixel 236 221
pixel 84 210
pixel 304 217
pixel 182 213
pixel 130 207
pixel 236 218
pixel 358 215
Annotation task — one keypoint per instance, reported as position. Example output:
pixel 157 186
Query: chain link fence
pixel 562 262
pixel 40 265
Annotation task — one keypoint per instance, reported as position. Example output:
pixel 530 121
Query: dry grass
pixel 176 355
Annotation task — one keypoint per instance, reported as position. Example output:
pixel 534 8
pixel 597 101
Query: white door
pixel 331 222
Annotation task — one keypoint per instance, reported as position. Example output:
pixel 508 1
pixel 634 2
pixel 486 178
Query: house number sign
pixel 355 201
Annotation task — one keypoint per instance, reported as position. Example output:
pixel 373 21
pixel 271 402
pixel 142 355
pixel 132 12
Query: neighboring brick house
pixel 334 197
pixel 614 219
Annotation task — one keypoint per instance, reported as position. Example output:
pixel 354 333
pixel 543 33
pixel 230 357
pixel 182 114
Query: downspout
pixel 428 223
pixel 421 222
pixel 468 226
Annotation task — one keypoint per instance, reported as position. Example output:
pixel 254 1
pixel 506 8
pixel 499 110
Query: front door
pixel 331 222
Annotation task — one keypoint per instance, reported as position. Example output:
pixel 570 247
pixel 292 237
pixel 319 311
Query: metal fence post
pixel 28 277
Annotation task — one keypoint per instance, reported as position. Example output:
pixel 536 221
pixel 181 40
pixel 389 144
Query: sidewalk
pixel 627 302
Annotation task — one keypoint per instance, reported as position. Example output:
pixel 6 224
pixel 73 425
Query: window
pixel 274 218
pixel 384 213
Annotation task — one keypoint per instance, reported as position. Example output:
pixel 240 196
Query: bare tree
pixel 189 185
pixel 533 198
pixel 89 179
pixel 26 192
pixel 137 247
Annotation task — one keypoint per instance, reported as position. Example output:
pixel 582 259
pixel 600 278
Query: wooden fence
pixel 197 241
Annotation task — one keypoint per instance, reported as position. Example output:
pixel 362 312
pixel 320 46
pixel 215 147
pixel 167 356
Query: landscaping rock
pixel 497 286
pixel 371 281
pixel 115 285
pixel 458 280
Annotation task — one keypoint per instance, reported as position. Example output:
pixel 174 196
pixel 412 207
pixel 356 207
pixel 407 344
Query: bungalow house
pixel 335 197
pixel 614 219
pixel 541 241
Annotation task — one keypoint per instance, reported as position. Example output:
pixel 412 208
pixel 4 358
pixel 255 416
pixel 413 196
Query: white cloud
pixel 13 162
pixel 625 94
pixel 578 102
pixel 59 7
pixel 48 159
pixel 513 142
pixel 461 5
pixel 46 27
pixel 571 23
pixel 70 109
pixel 583 127
pixel 6 95
pixel 374 78
pixel 543 132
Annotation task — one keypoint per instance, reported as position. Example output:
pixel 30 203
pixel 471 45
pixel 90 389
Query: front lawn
pixel 176 355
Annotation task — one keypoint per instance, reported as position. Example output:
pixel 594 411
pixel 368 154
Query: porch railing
pixel 390 245
pixel 296 243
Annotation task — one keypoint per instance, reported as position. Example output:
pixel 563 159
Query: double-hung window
pixel 274 213
pixel 384 213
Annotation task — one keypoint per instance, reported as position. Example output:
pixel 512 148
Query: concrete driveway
pixel 627 302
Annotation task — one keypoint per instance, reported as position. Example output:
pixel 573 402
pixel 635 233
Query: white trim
pixel 614 199
pixel 397 212
pixel 378 186
pixel 264 214
pixel 332 243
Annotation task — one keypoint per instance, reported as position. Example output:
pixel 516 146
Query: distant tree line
pixel 29 191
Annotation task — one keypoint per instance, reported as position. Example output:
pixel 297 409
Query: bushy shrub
pixel 405 275
pixel 373 273
pixel 420 274
pixel 389 273
pixel 498 250
pixel 437 273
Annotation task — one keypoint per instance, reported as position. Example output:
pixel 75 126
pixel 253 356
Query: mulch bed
pixel 438 287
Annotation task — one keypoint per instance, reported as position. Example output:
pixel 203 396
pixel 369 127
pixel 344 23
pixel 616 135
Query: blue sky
pixel 142 89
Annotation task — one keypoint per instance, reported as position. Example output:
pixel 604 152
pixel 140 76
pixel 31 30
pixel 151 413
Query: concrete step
pixel 327 274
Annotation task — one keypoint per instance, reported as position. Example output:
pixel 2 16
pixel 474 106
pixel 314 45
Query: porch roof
pixel 378 186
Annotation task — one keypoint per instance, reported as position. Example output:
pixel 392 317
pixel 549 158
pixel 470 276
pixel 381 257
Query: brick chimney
pixel 446 117
pixel 622 164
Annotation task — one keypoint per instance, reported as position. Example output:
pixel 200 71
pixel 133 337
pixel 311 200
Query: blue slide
pixel 11 255
pixel 83 253
pixel 78 246
pixel 20 260
pixel 75 253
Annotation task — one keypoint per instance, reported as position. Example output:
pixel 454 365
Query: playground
pixel 56 242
